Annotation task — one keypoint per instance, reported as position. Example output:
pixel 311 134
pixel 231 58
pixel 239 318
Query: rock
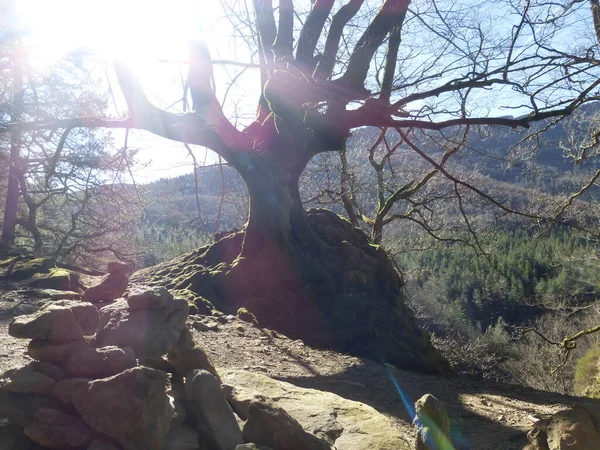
pixel 63 390
pixel 20 408
pixel 54 350
pixel 26 268
pixel 538 436
pixel 272 426
pixel 177 398
pixel 118 267
pixel 187 355
pixel 100 362
pixel 347 424
pixel 55 278
pixel 132 408
pixel 103 443
pixel 150 332
pixel 12 438
pixel 210 413
pixel 53 294
pixel 209 325
pixel 51 370
pixel 27 380
pixel 85 313
pixel 247 316
pixel 148 297
pixel 63 319
pixel 572 429
pixel 432 423
pixel 110 287
pixel 54 429
pixel 251 447
pixel 182 438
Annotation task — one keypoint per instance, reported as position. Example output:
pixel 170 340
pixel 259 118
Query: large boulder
pixel 271 426
pixel 345 424
pixel 572 429
pixel 150 332
pixel 132 408
pixel 182 438
pixel 64 319
pixel 211 415
pixel 336 290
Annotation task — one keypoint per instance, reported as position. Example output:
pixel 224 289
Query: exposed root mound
pixel 343 294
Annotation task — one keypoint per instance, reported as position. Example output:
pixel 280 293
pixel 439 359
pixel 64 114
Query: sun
pixel 137 31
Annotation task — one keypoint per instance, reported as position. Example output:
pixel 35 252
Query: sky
pixel 152 36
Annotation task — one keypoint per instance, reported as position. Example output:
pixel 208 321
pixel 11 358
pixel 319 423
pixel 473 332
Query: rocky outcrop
pixel 344 294
pixel 342 423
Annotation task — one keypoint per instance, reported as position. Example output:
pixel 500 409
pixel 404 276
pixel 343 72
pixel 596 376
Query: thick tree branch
pixel 265 23
pixel 390 64
pixel 311 31
pixel 332 44
pixel 391 15
pixel 284 42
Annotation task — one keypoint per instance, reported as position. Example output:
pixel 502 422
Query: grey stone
pixel 132 408
pixel 151 333
pixel 272 426
pixel 100 362
pixel 210 413
pixel 572 429
pixel 21 408
pixel 103 443
pixel 55 350
pixel 64 319
pixel 13 438
pixel 148 297
pixel 347 424
pixel 177 399
pixel 118 267
pixel 27 380
pixel 432 423
pixel 63 390
pixel 182 438
pixel 54 429
pixel 110 287
pixel 186 356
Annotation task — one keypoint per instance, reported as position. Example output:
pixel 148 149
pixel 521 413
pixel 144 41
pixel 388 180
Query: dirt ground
pixel 483 415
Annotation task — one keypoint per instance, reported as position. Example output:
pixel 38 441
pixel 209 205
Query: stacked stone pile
pixel 130 376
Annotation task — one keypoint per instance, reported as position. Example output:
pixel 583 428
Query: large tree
pixel 328 68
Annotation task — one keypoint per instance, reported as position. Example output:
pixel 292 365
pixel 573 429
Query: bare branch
pixel 391 15
pixel 311 31
pixel 332 44
pixel 284 42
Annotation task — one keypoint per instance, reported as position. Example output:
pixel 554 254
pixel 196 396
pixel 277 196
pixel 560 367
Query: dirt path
pixel 483 415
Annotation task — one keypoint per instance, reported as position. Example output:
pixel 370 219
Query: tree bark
pixel 7 238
